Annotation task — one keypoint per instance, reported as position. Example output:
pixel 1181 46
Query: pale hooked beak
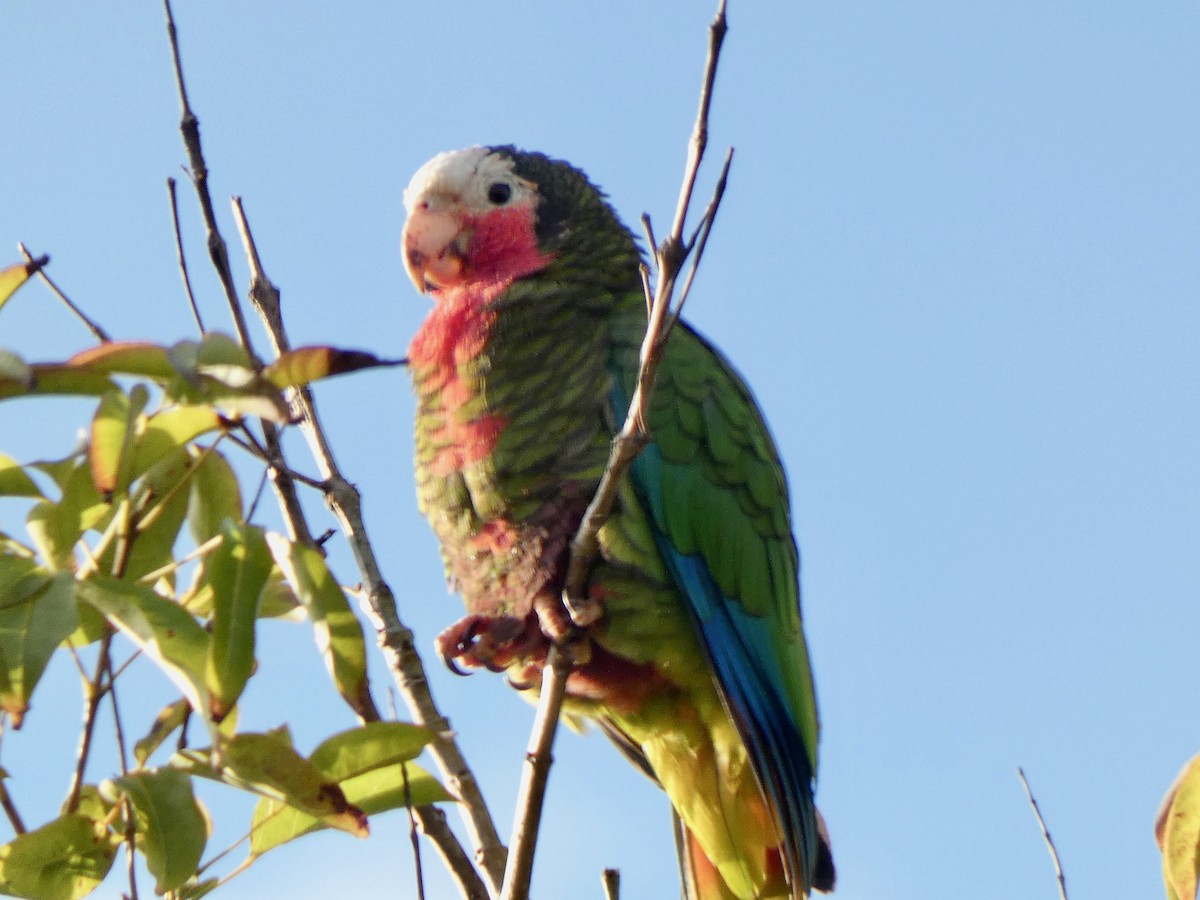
pixel 435 242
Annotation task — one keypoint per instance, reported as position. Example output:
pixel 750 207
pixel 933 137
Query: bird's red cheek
pixel 504 246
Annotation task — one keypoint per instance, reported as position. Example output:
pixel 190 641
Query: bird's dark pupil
pixel 499 192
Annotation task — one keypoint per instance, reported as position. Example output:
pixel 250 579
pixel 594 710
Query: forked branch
pixel 670 257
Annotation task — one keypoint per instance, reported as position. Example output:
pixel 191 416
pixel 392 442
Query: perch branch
pixel 379 604
pixel 670 257
pixel 1058 871
pixel 528 815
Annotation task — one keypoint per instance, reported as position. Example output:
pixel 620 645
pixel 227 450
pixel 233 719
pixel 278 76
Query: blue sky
pixel 957 262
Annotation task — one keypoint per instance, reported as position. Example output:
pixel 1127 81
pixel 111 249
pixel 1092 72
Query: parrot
pixel 523 372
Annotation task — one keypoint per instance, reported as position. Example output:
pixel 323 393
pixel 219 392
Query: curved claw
pixel 450 661
pixel 518 685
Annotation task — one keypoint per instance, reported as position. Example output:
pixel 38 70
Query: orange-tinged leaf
pixel 114 435
pixel 13 277
pixel 305 364
pixel 127 358
pixel 1178 832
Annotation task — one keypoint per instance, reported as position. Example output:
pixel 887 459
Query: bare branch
pixel 412 833
pixel 1058 871
pixel 10 810
pixel 432 822
pixel 377 599
pixel 183 267
pixel 612 884
pixel 528 815
pixel 93 692
pixel 39 265
pixel 189 127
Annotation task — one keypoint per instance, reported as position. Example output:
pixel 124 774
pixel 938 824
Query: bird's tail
pixel 702 880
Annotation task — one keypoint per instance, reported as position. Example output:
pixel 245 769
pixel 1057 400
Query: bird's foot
pixel 483 642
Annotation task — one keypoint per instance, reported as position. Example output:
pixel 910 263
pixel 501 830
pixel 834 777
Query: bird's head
pixel 495 214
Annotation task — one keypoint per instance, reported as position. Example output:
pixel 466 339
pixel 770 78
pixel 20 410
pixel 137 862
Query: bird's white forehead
pixel 461 173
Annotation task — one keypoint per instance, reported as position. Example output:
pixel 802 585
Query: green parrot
pixel 523 371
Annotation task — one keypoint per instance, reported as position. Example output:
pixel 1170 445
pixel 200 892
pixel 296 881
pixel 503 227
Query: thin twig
pixel 10 810
pixel 434 826
pixel 612 884
pixel 379 603
pixel 93 693
pixel 179 254
pixel 670 257
pixel 39 265
pixel 189 127
pixel 528 814
pixel 1058 871
pixel 131 847
pixel 412 833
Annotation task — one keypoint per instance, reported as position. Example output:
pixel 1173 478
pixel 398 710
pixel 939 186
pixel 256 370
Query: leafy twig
pixel 92 326
pixel 1058 871
pixel 670 257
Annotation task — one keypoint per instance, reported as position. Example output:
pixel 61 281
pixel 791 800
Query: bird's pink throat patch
pixel 503 249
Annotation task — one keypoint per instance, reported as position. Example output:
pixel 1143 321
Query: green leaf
pixel 30 632
pixel 171 429
pixel 196 890
pixel 14 482
pixel 13 277
pixel 56 527
pixel 237 571
pixel 370 764
pixel 266 764
pixel 278 600
pixel 113 437
pixel 367 764
pixel 1178 832
pixel 172 828
pixel 63 860
pixel 338 632
pixel 369 747
pixel 160 628
pixel 215 497
pixel 169 720
pixel 306 364
pixel 373 792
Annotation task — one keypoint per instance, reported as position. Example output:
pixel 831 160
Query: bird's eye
pixel 499 193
